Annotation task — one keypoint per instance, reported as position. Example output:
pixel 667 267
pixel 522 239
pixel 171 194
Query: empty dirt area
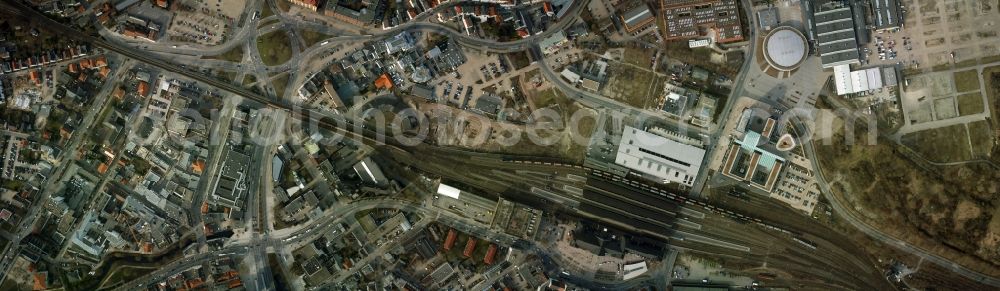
pixel 634 86
pixel 942 99
pixel 945 34
pixel 562 137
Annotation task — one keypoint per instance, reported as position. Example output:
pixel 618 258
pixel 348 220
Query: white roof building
pixel 656 156
pixel 849 82
pixel 696 43
pixel 634 270
pixel 785 48
pixel 570 76
pixel 448 191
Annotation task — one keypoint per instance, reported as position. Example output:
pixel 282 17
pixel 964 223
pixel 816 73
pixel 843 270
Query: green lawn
pixel 274 48
pixel 966 81
pixel 235 55
pixel 265 11
pixel 639 56
pixel 312 37
pixel 531 74
pixel 518 60
pixel 249 79
pixel 279 84
pixel 982 137
pixel 991 75
pixel 942 144
pixel 970 103
pixel 125 274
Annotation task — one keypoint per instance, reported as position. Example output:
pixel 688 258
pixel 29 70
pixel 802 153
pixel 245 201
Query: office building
pixel 694 18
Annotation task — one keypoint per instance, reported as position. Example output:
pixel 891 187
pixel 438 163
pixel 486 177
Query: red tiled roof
pixel 469 247
pixel 101 61
pixel 383 82
pixel 450 240
pixel 491 254
pixel 143 88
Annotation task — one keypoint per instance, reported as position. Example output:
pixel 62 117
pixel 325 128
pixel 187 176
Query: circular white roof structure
pixel 785 48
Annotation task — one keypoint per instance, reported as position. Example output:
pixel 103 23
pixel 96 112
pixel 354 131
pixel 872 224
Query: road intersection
pixel 258 244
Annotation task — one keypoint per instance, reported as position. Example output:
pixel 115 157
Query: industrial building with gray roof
pixel 834 30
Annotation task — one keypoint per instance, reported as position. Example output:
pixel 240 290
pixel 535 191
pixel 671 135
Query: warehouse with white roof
pixel 850 82
pixel 659 157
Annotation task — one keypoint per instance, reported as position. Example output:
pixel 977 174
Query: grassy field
pixel 235 55
pixel 274 48
pixel 550 97
pixel 268 22
pixel 942 144
pixel 633 86
pixel 966 81
pixel 639 56
pixel 265 11
pixel 981 137
pixel 125 274
pixel 280 83
pixel 226 76
pixel 566 148
pixel 249 79
pixel 991 75
pixel 970 103
pixel 918 202
pixel 518 60
pixel 312 37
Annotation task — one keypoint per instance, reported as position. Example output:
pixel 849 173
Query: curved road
pixel 18 10
pixel 852 218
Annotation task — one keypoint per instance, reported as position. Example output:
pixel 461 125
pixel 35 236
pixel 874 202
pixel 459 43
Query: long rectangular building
pixel 693 18
pixel 885 14
pixel 637 18
pixel 834 30
pixel 850 82
pixel 659 157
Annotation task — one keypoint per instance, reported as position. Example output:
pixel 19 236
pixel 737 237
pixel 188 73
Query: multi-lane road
pixel 244 34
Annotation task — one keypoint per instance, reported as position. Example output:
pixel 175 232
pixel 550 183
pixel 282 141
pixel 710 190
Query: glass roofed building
pixel 752 156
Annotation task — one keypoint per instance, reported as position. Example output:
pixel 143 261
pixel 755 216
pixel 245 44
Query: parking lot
pixel 204 22
pixel 940 33
pixel 478 72
pixel 196 27
pixel 225 9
